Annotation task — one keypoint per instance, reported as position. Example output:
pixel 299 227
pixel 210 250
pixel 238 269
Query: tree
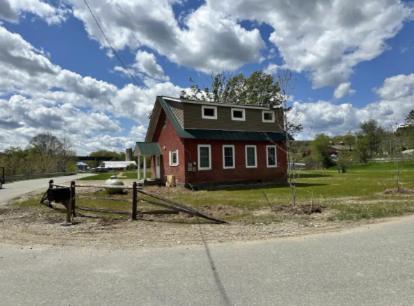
pixel 257 89
pixel 362 148
pixel 50 154
pixel 45 154
pixel 320 150
pixel 409 120
pixel 112 155
pixel 374 136
pixel 349 140
pixel 47 144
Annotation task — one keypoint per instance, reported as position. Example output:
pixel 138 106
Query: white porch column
pixel 139 167
pixel 145 167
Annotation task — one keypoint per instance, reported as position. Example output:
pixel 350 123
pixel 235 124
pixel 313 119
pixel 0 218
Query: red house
pixel 204 143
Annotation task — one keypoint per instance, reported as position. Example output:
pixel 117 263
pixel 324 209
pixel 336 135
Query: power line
pixel 118 57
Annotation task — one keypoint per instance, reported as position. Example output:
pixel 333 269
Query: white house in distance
pixel 115 165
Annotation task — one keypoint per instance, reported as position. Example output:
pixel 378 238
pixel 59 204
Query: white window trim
pixel 267 156
pixel 203 107
pixel 255 155
pixel 199 157
pixel 170 159
pixel 267 112
pixel 239 110
pixel 234 156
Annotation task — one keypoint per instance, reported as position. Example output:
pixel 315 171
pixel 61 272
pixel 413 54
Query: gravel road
pixel 371 265
pixel 17 189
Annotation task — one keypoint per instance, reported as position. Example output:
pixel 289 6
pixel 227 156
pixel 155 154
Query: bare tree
pixel 284 79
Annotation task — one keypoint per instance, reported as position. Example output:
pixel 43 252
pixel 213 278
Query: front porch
pixel 144 152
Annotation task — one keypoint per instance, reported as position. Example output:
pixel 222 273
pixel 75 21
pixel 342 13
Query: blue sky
pixel 350 61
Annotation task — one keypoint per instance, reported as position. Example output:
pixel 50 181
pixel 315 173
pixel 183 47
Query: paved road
pixel 17 189
pixel 368 266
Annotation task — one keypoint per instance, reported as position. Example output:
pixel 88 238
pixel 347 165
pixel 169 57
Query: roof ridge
pixel 181 100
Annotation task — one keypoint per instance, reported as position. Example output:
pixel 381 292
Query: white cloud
pixel 145 66
pixel 343 90
pixel 397 87
pixel 396 97
pixel 272 69
pixel 11 9
pixel 208 41
pixel 325 38
pixel 37 96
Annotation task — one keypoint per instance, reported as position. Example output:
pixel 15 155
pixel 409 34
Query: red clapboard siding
pixel 168 140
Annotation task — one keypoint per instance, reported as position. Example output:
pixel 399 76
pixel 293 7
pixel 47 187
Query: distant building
pixel 115 165
pixel 214 143
pixel 81 166
pixel 129 154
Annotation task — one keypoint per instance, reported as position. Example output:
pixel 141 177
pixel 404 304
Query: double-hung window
pixel 228 157
pixel 271 156
pixel 251 156
pixel 174 161
pixel 204 157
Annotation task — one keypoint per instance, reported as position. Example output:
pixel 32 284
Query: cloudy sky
pixel 351 61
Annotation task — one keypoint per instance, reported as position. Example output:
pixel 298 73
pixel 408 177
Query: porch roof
pixel 147 149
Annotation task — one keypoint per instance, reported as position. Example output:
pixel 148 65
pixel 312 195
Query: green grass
pixel 370 211
pixel 361 184
pixel 106 175
pixel 406 165
pixel 354 195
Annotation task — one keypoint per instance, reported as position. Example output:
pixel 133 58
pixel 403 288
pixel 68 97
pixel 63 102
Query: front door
pixel 157 167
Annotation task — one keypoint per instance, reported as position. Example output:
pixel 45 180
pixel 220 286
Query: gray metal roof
pixel 147 148
pixel 201 102
pixel 236 135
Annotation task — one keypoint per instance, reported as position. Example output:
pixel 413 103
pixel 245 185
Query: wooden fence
pixel 67 196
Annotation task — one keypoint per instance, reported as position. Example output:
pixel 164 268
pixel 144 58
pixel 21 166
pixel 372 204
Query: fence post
pixel 73 193
pixel 69 209
pixel 134 201
pixel 49 203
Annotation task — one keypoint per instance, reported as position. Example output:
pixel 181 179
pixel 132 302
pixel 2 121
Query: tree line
pixel 44 154
pixel 371 141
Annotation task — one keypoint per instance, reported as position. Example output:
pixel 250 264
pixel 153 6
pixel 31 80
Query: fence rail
pixel 67 196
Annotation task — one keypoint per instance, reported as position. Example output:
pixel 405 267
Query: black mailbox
pixel 58 194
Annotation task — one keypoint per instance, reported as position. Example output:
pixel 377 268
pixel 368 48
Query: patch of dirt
pixel 44 226
pixel 307 209
pixel 399 191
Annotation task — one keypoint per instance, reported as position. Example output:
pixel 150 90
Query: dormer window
pixel 268 116
pixel 238 114
pixel 209 112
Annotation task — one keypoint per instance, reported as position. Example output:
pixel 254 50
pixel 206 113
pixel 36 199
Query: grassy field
pixel 107 175
pixel 355 195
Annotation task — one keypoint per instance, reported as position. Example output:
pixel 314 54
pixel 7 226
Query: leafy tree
pixel 349 140
pixel 374 135
pixel 257 89
pixel 320 150
pixel 362 148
